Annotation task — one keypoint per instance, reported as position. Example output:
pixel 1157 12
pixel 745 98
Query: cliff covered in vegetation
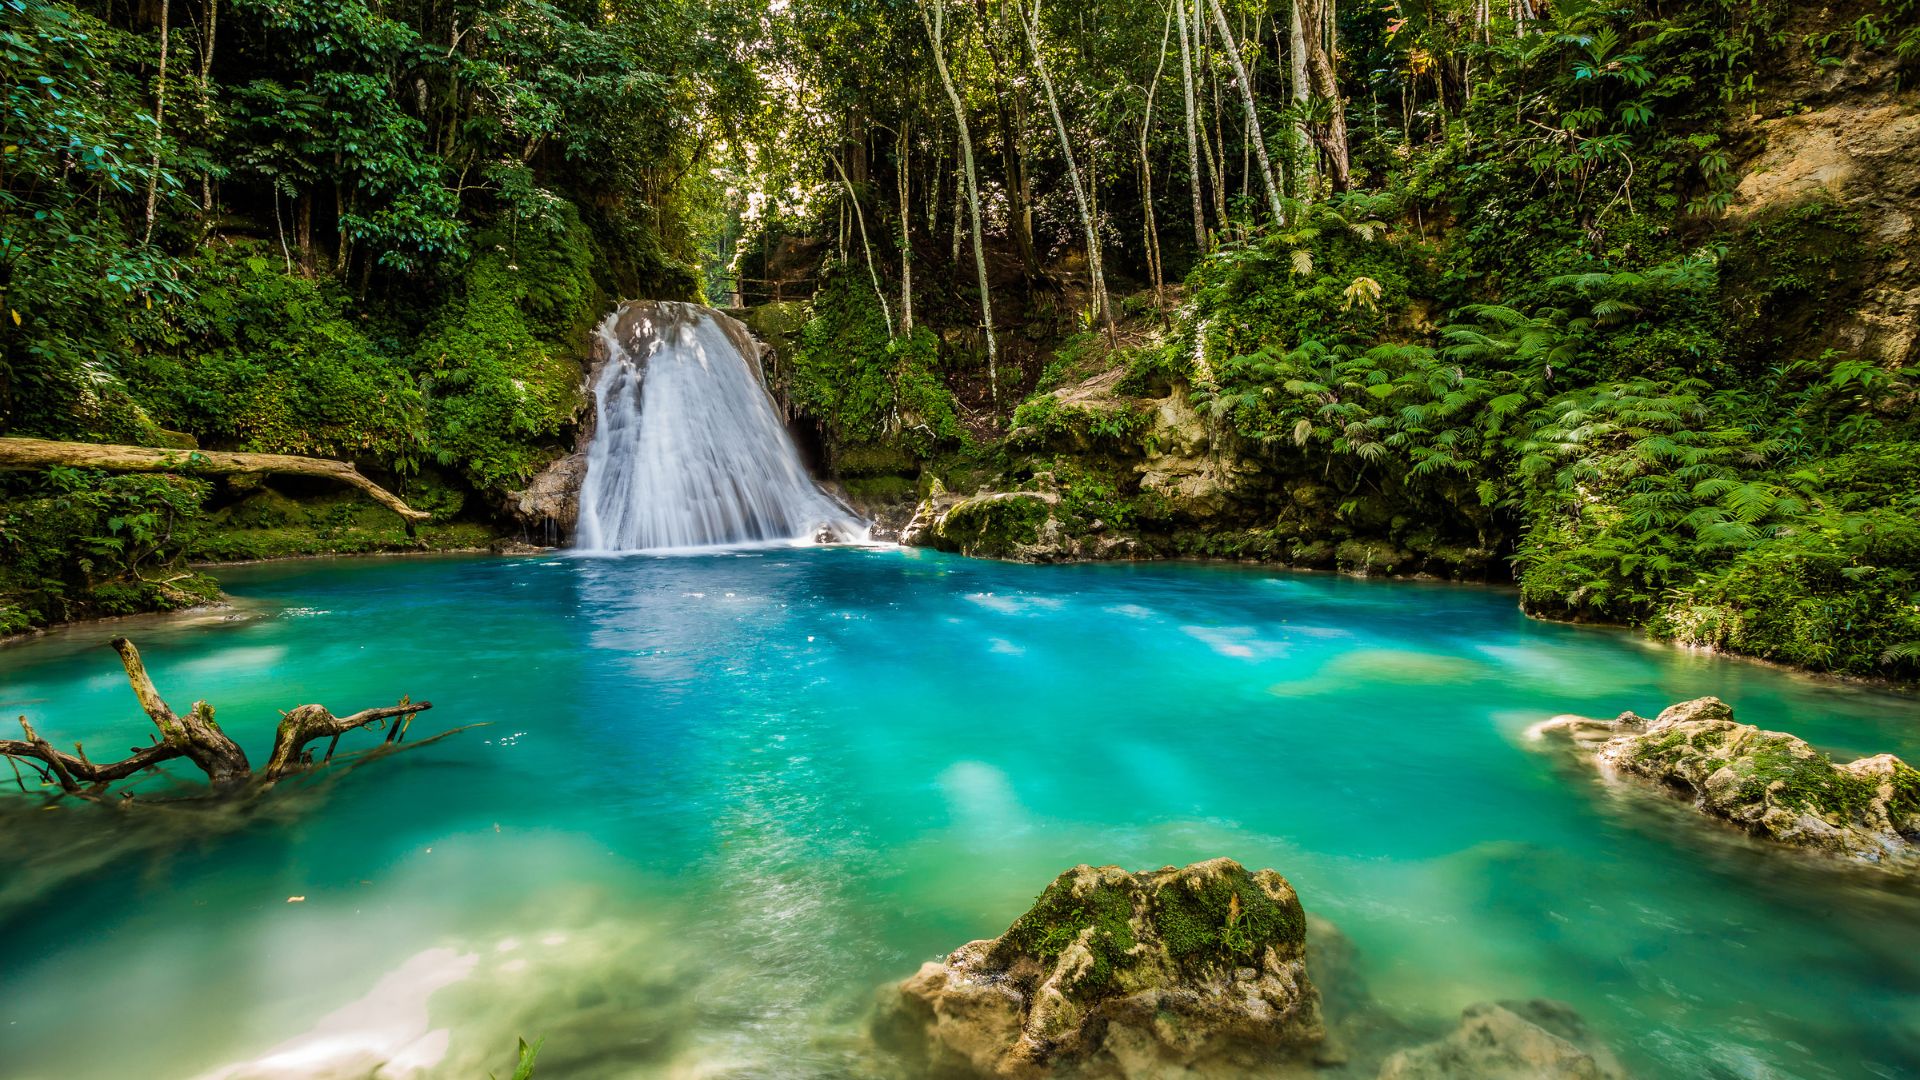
pixel 1618 301
pixel 1632 314
pixel 371 232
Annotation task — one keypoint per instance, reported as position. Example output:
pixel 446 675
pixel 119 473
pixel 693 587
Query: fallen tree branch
pixel 43 453
pixel 198 738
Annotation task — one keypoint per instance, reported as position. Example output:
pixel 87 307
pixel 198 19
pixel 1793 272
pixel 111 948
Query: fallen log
pixel 195 737
pixel 18 453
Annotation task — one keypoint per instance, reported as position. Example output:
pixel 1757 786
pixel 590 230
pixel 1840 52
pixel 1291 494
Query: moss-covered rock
pixel 1770 783
pixel 1117 974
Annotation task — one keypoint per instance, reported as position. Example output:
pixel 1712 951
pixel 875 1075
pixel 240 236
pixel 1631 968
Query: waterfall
pixel 688 450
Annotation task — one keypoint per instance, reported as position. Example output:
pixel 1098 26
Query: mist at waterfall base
pixel 724 798
pixel 688 449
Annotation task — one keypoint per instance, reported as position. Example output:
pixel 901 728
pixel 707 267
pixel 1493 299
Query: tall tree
pixel 935 24
pixel 1193 131
pixel 1149 227
pixel 902 168
pixel 1031 24
pixel 1317 31
pixel 1297 82
pixel 1253 113
pixel 159 125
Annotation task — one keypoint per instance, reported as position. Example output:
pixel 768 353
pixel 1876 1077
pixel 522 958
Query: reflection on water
pixel 723 798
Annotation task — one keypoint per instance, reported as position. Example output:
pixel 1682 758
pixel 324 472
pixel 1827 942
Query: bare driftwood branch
pixel 42 453
pixel 199 739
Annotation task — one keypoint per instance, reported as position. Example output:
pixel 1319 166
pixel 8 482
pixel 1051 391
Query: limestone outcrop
pixel 1019 526
pixel 1509 1040
pixel 549 506
pixel 1769 783
pixel 1112 974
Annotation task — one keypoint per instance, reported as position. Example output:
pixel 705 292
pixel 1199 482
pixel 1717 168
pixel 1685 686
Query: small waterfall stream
pixel 688 450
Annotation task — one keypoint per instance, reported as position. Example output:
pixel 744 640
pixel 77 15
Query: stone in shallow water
pixel 1509 1040
pixel 1123 975
pixel 1770 783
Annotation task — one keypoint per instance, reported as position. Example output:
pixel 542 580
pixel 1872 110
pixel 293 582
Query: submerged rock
pixel 1509 1040
pixel 1770 783
pixel 1117 974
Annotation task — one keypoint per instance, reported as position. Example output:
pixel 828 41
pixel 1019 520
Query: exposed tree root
pixel 198 738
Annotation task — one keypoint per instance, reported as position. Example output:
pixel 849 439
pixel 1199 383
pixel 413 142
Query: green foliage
pixel 78 542
pixel 863 387
pixel 993 526
pixel 523 1065
pixel 266 361
pixel 266 524
pixel 499 366
pixel 367 231
pixel 1045 418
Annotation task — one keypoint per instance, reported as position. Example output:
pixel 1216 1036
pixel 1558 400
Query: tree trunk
pixel 959 207
pixel 860 216
pixel 902 161
pixel 206 94
pixel 1152 230
pixel 1217 149
pixel 1012 161
pixel 1207 140
pixel 159 115
pixel 1317 26
pixel 1297 69
pixel 17 454
pixel 936 32
pixel 303 231
pixel 1253 115
pixel 1193 134
pixel 1094 269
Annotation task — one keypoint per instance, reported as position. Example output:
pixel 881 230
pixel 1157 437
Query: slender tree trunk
pixel 1095 272
pixel 159 115
pixel 1207 141
pixel 1151 230
pixel 1010 111
pixel 1253 115
pixel 905 182
pixel 1317 26
pixel 860 216
pixel 206 95
pixel 1218 148
pixel 303 231
pixel 1297 68
pixel 959 205
pixel 936 33
pixel 343 247
pixel 1193 133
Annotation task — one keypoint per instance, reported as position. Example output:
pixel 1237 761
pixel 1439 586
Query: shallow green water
pixel 722 798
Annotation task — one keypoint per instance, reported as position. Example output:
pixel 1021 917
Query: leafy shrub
pixel 78 542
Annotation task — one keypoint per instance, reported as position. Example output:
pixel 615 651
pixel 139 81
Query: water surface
pixel 722 798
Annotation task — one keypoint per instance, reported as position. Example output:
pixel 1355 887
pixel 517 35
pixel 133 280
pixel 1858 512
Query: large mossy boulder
pixel 1769 783
pixel 1019 526
pixel 1114 974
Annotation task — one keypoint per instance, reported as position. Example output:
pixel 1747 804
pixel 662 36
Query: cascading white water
pixel 688 450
